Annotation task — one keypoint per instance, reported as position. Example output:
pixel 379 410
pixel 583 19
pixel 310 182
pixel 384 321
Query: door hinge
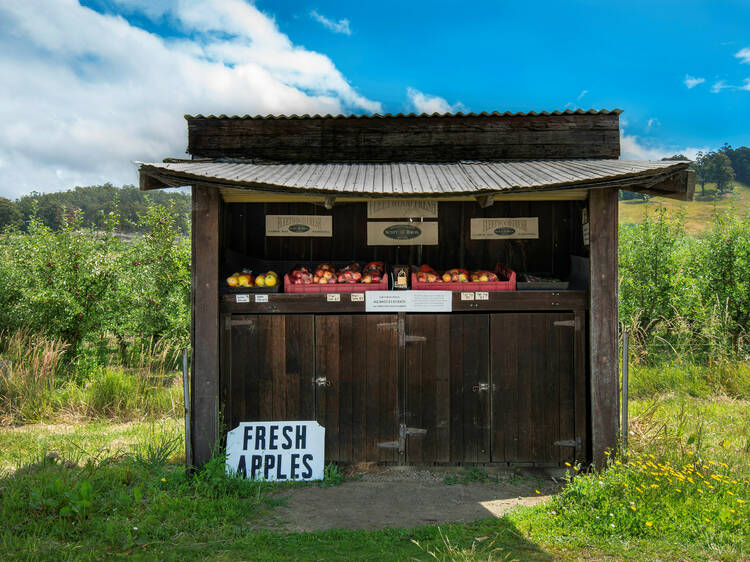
pixel 322 381
pixel 403 433
pixel 408 339
pixel 576 443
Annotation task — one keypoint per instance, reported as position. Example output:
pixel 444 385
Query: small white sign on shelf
pixel 358 297
pixel 242 298
pixel 467 296
pixel 333 297
pixel 408 301
pixel 261 298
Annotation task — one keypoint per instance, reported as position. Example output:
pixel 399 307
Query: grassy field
pixel 119 489
pixel 697 213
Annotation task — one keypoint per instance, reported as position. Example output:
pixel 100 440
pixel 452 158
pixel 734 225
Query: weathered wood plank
pixel 282 303
pixel 205 322
pixel 603 322
pixel 426 139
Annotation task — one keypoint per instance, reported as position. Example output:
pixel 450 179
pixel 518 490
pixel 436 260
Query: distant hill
pixel 697 213
pixel 95 202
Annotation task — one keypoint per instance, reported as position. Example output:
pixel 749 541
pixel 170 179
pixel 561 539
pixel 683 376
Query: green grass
pixel 690 379
pixel 120 489
pixel 697 213
pixel 85 441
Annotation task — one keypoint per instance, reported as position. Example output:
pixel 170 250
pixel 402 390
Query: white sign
pixel 277 451
pixel 242 298
pixel 408 301
pixel 261 298
pixel 358 297
pixel 402 209
pixel 333 297
pixel 402 233
pixel 505 228
pixel 299 225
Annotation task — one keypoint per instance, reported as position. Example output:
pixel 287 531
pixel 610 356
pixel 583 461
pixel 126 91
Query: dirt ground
pixel 405 497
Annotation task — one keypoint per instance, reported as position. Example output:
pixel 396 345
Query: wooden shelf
pixel 290 303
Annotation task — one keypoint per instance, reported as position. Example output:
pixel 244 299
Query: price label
pixel 358 297
pixel 261 298
pixel 482 296
pixel 333 297
pixel 242 298
pixel 467 296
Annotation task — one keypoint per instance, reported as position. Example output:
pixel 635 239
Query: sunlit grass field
pixel 697 213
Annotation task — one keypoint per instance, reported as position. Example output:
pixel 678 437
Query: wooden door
pixel 356 369
pixel 447 402
pixel 268 368
pixel 533 387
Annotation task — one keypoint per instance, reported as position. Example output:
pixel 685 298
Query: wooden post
pixel 603 322
pixel 205 323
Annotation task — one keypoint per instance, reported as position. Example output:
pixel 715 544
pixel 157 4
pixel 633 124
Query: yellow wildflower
pixel 648 523
pixel 740 501
pixel 632 507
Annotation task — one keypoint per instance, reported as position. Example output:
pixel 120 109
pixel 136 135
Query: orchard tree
pixel 699 165
pixel 9 214
pixel 719 170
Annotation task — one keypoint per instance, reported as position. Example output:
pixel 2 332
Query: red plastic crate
pixel 509 285
pixel 290 287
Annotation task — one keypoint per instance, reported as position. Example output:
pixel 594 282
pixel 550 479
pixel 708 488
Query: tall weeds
pixel 31 364
pixel 38 383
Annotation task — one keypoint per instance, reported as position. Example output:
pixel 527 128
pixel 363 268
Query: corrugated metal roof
pixel 398 115
pixel 408 178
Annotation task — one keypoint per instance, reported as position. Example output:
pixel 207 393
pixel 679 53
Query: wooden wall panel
pixel 407 139
pixel 533 387
pixel 358 405
pixel 269 368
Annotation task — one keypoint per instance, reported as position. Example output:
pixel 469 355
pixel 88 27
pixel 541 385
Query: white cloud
pixel 634 148
pixel 85 94
pixel 653 122
pixel 747 85
pixel 425 103
pixel 719 86
pixel 341 26
pixel 743 55
pixel 583 93
pixel 691 82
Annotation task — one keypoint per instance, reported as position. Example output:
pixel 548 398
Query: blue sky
pixel 92 87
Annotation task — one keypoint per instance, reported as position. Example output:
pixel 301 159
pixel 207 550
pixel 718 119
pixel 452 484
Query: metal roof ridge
pixel 459 114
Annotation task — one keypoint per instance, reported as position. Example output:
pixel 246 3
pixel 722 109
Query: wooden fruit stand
pixel 513 377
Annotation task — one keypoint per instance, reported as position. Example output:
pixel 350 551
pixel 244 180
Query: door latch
pixel 481 387
pixel 322 381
